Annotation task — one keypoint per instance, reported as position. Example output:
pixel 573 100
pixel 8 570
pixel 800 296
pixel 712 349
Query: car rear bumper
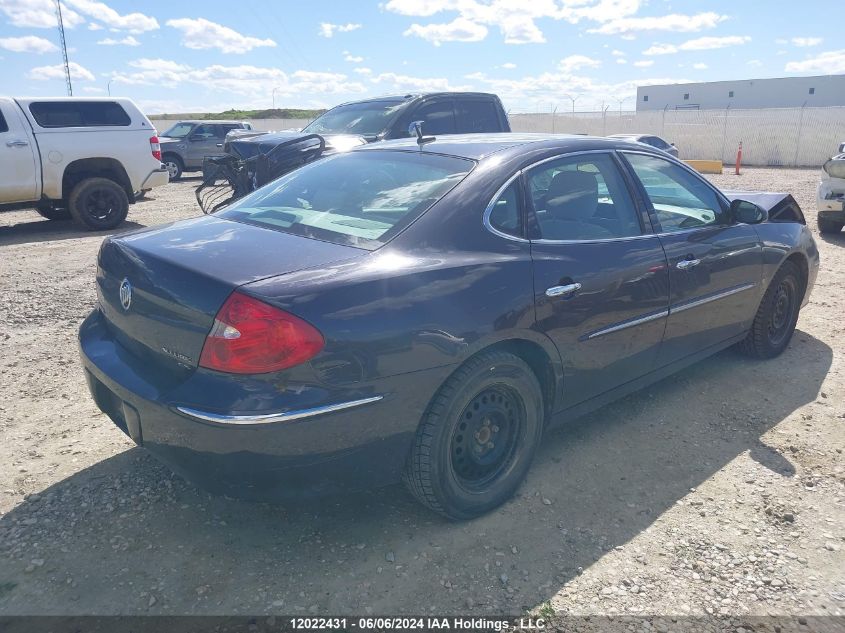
pixel 297 452
pixel 157 178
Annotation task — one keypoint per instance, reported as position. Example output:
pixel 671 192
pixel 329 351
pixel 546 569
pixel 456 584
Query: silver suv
pixel 186 143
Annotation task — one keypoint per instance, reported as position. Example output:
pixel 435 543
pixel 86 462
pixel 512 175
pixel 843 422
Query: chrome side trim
pixel 626 324
pixel 269 418
pixel 715 297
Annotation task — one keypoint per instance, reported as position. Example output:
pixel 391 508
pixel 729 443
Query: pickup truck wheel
pixel 777 315
pixel 477 438
pixel 52 213
pixel 174 166
pixel 830 226
pixel 98 204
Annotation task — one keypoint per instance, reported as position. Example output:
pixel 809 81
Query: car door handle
pixel 687 264
pixel 559 291
pixel 220 145
pixel 17 143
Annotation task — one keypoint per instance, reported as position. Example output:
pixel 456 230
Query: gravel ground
pixel 716 491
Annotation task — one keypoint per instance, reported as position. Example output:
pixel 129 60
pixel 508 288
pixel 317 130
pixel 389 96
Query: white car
pixel 830 195
pixel 79 158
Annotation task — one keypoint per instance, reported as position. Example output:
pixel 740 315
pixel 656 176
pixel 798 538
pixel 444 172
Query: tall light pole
pixel 620 102
pixel 108 86
pixel 573 100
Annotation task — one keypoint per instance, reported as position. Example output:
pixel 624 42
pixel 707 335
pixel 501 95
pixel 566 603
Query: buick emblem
pixel 125 293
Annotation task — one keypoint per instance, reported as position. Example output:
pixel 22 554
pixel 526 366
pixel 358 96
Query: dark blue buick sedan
pixel 426 311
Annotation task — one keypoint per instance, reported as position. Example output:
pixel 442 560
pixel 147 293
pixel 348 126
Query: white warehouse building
pixel 781 92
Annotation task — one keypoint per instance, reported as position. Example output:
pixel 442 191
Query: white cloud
pixel 199 33
pixel 829 62
pixel 700 66
pixel 93 90
pixel 756 63
pixel 45 73
pixel 508 66
pixel 349 57
pixel 27 44
pixel 661 49
pixel 708 43
pixel 38 14
pixel 458 30
pixel 241 79
pixel 363 71
pixel 515 19
pixel 133 22
pixel 617 53
pixel 93 26
pixel 404 83
pixel 806 41
pixel 575 62
pixel 644 63
pixel 129 40
pixel 621 60
pixel 327 29
pixel 673 22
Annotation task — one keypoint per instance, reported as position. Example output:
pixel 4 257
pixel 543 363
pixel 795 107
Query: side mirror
pixel 747 212
pixel 415 128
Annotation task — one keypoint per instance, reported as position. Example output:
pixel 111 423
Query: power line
pixel 64 47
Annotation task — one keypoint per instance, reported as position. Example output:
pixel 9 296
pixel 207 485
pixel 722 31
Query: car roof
pixel 420 95
pixel 478 146
pixel 175 121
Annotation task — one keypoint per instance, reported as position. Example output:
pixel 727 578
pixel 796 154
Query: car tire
pixel 477 438
pixel 98 204
pixel 777 315
pixel 830 226
pixel 174 166
pixel 46 210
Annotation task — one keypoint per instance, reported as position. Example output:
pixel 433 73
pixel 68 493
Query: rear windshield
pixel 357 199
pixel 365 119
pixel 78 113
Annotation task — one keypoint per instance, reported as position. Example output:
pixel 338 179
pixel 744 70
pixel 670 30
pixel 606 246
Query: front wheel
pixel 98 204
pixel 478 437
pixel 777 315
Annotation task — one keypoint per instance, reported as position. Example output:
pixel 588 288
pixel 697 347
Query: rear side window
pixel 357 198
pixel 3 126
pixel 505 215
pixel 79 114
pixel 477 115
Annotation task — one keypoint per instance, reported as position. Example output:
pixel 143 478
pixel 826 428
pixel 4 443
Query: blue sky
pixel 537 54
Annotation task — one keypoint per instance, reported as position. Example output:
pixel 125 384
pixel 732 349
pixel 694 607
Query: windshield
pixel 365 119
pixel 179 130
pixel 358 199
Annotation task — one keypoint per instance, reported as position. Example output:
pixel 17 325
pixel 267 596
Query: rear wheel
pixel 478 437
pixel 98 204
pixel 174 166
pixel 830 226
pixel 777 315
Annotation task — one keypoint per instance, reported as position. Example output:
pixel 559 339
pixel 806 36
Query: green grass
pixel 273 113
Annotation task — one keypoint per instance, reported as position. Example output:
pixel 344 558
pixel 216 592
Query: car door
pixel 18 169
pixel 437 115
pixel 600 275
pixel 202 142
pixel 715 264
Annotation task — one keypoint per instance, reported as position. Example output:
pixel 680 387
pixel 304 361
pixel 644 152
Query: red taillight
pixel 252 337
pixel 155 147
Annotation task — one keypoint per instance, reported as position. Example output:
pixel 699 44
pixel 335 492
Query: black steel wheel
pixel 777 315
pixel 478 437
pixel 98 204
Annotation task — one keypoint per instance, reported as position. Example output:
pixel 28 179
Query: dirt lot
pixel 719 490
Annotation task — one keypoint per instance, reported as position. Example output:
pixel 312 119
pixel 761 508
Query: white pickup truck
pixel 79 158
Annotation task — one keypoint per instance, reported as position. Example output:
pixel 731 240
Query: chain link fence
pixel 777 137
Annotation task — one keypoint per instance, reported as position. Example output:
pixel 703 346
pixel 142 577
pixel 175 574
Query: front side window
pixel 680 199
pixel 79 114
pixel 204 132
pixel 358 198
pixel 438 117
pixel 582 198
pixel 476 115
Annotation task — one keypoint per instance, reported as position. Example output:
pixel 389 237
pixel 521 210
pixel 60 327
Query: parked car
pixel 830 195
pixel 253 160
pixel 185 144
pixel 79 158
pixel 425 310
pixel 649 139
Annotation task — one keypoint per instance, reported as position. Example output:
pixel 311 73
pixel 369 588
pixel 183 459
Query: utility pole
pixel 64 46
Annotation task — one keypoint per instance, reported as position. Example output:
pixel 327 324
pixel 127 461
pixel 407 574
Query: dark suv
pixel 186 143
pixel 384 118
